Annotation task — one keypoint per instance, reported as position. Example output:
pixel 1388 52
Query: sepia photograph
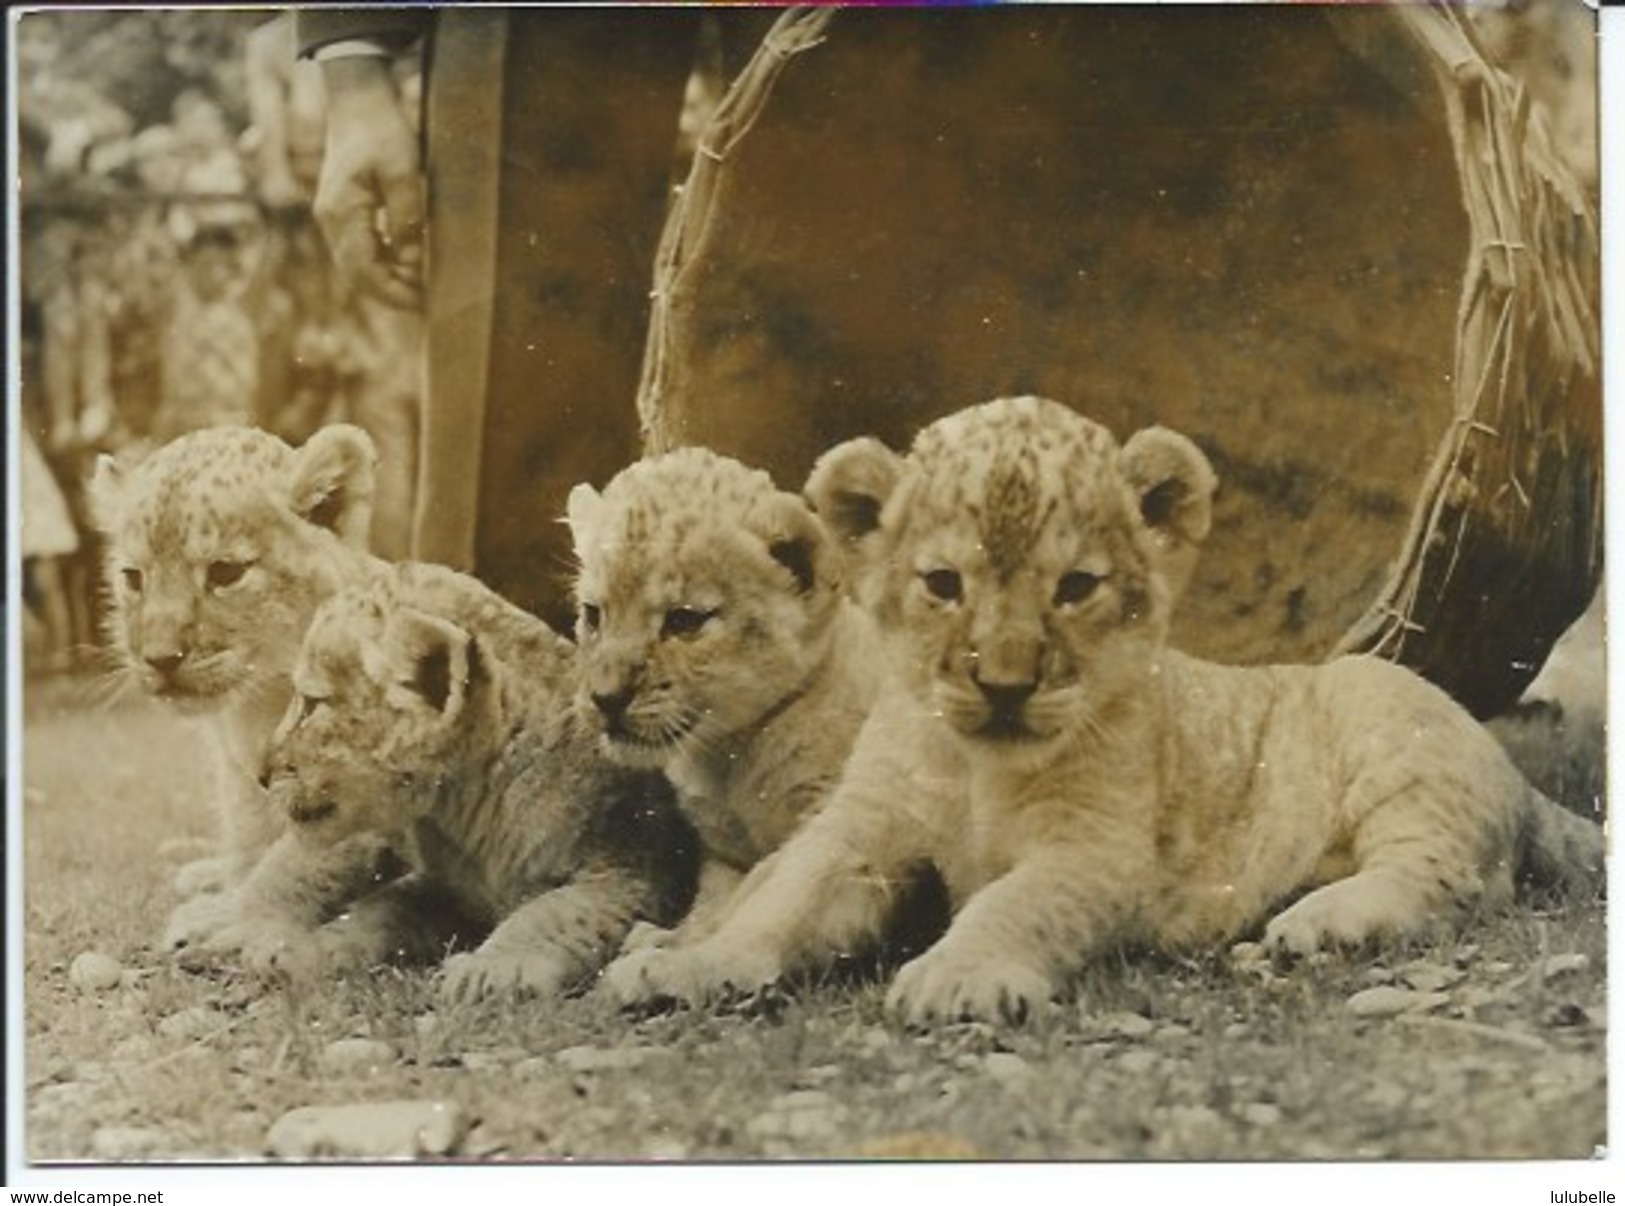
pixel 927 585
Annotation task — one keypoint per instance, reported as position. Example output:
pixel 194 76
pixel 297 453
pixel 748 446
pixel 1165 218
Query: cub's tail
pixel 1560 850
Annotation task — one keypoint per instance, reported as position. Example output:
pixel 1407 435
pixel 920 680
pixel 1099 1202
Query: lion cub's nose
pixel 1005 699
pixel 613 705
pixel 168 663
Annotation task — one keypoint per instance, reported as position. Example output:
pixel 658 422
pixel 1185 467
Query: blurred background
pixel 171 277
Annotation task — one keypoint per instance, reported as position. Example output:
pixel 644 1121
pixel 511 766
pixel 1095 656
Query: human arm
pixel 370 197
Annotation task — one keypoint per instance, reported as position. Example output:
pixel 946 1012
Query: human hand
pixel 370 196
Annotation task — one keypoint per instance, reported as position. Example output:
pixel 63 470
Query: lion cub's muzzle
pixel 1004 710
pixel 289 796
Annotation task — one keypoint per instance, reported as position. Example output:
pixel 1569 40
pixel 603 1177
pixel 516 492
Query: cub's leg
pixel 828 889
pixel 718 881
pixel 247 829
pixel 210 874
pixel 248 823
pixel 553 942
pixel 289 892
pixel 1016 942
pixel 1423 851
pixel 413 920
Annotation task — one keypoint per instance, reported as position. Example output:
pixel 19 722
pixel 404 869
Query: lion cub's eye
pixel 133 581
pixel 225 573
pixel 308 704
pixel 1075 587
pixel 944 584
pixel 591 617
pixel 685 621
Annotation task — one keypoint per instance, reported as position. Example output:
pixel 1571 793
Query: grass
pixel 1160 1059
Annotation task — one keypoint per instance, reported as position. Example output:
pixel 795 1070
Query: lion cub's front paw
pixel 1346 914
pixel 203 875
pixel 271 946
pixel 691 975
pixel 195 923
pixel 647 936
pixel 477 974
pixel 940 986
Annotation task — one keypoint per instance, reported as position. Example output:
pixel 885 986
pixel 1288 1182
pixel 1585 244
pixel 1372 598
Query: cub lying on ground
pixel 717 642
pixel 220 545
pixel 430 707
pixel 1078 783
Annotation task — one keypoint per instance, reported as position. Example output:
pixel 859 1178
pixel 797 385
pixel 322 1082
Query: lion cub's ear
pixel 105 492
pixel 333 482
pixel 849 486
pixel 582 512
pixel 798 542
pixel 1174 482
pixel 430 658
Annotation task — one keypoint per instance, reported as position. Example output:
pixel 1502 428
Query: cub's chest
pixel 721 802
pixel 982 828
pixel 445 860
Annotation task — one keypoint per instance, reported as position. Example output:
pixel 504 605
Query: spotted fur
pixel 1077 783
pixel 717 642
pixel 427 706
pixel 220 545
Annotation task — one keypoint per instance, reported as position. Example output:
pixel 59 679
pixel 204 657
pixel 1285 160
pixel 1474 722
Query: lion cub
pixel 1074 780
pixel 717 642
pixel 428 706
pixel 220 544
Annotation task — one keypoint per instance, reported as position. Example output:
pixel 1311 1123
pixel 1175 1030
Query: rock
pixel 1260 1113
pixel 357 1055
pixel 425 1022
pixel 1248 952
pixel 1123 1025
pixel 1473 997
pixel 89 1071
pixel 1238 1030
pixel 1138 1061
pixel 93 971
pixel 133 1049
pixel 1558 966
pixel 194 1022
pixel 1377 975
pixel 400 1130
pixel 1008 1068
pixel 1171 1035
pixel 1565 1015
pixel 536 1065
pixel 126 1142
pixel 1385 1001
pixel 818 1074
pixel 1193 1123
pixel 1430 977
pixel 1387 1097
pixel 806 1114
pixel 606 1059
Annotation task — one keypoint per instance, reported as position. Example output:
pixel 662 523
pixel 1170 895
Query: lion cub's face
pixel 704 595
pixel 220 545
pixel 1021 565
pixel 387 708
